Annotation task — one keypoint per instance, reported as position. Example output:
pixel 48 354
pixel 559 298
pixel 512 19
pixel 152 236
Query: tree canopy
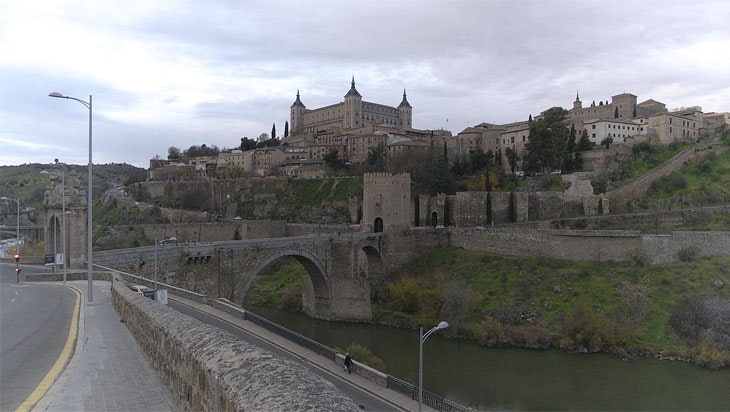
pixel 552 145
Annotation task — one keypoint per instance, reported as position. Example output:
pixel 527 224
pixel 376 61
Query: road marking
pixel 61 362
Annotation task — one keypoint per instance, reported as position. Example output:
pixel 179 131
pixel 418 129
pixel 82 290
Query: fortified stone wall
pixel 558 244
pixel 216 231
pixel 208 369
pixel 591 245
pixel 667 248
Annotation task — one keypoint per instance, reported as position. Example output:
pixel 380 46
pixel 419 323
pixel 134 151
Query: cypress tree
pixel 512 208
pixel 489 208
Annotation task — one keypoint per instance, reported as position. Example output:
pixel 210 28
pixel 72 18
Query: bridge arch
pixel 372 266
pixel 316 293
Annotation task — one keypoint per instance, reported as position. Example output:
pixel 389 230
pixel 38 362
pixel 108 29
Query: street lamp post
pixel 157 242
pixel 422 338
pixel 89 258
pixel 17 235
pixel 63 224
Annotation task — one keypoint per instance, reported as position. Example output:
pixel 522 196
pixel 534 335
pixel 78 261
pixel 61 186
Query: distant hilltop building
pixel 351 113
pixel 353 128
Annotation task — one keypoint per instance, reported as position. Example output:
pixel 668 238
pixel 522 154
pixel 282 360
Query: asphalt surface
pixel 107 370
pixel 32 336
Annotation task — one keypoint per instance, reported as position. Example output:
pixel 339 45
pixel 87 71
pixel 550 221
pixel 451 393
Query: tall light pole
pixel 89 257
pixel 422 338
pixel 17 236
pixel 157 242
pixel 63 222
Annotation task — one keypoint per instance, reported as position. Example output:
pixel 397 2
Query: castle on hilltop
pixel 351 113
pixel 353 128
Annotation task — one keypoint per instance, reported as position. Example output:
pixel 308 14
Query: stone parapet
pixel 208 369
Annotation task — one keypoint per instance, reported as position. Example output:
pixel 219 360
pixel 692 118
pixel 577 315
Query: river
pixel 522 379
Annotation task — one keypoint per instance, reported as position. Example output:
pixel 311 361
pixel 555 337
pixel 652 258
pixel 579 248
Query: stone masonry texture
pixel 208 369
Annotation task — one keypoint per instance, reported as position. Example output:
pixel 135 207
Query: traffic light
pixel 17 257
pixel 17 270
pixel 141 264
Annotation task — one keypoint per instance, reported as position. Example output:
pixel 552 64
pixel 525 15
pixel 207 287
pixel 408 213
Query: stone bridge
pixel 339 268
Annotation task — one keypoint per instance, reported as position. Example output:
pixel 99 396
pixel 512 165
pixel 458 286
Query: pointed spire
pixel 577 99
pixel 404 102
pixel 353 90
pixel 298 102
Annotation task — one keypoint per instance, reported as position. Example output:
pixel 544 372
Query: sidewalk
pixel 108 371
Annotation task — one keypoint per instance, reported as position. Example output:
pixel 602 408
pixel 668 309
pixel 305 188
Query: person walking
pixel 348 363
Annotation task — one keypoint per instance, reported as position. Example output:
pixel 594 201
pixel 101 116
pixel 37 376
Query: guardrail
pixel 434 401
pixel 437 402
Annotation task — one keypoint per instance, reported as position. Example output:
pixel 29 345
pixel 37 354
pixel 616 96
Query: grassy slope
pixel 550 288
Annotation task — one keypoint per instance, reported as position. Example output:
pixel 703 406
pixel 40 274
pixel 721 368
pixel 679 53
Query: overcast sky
pixel 179 73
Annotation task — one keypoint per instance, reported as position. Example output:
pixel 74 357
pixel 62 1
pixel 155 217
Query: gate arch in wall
pixel 55 233
pixel 378 225
pixel 434 219
pixel 316 293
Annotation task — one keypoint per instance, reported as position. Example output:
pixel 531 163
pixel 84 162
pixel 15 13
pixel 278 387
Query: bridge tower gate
pixel 72 224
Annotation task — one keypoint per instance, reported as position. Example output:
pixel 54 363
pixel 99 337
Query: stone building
pixel 351 113
pixel 386 203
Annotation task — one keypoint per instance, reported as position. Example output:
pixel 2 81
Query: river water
pixel 521 379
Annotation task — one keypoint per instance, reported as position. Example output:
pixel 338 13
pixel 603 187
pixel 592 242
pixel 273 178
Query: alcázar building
pixel 354 127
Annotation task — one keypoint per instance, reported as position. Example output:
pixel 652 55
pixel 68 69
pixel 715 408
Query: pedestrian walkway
pixel 108 371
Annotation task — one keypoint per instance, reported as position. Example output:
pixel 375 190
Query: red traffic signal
pixel 17 258
pixel 17 270
pixel 141 263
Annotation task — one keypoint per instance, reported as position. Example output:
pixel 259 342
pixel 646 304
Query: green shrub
pixel 582 328
pixel 688 254
pixel 405 294
pixel 711 356
pixel 364 355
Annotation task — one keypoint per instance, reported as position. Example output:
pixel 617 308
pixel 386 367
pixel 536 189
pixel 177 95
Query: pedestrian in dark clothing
pixel 348 363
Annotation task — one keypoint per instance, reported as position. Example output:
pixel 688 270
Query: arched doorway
pixel 434 219
pixel 54 243
pixel 378 225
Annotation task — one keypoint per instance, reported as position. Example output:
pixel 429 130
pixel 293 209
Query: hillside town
pixel 354 128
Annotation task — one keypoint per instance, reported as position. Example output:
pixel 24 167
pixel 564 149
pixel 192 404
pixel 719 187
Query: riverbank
pixel 677 311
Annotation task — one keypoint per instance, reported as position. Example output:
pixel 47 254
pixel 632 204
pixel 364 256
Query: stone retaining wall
pixel 208 369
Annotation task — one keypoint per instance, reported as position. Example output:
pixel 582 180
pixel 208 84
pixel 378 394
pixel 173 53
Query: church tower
pixel 577 104
pixel 406 112
pixel 353 108
pixel 297 115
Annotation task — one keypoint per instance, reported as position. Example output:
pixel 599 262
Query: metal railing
pixel 291 335
pixel 430 399
pixel 410 390
pixel 437 402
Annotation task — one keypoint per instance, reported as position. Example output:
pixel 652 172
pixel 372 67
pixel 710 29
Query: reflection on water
pixel 520 379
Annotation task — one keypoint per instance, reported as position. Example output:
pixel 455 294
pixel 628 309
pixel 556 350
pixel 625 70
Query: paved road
pixel 35 320
pixel 109 372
